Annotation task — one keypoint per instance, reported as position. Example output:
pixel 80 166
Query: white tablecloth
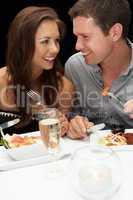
pixel 32 183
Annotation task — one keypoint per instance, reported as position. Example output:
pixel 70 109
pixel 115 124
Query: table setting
pixel 62 168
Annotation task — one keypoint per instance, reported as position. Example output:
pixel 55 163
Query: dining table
pixel 31 182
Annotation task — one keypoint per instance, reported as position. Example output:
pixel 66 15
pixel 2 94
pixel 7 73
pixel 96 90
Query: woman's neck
pixel 37 83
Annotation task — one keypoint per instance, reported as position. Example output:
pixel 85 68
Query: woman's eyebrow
pixel 42 38
pixel 48 38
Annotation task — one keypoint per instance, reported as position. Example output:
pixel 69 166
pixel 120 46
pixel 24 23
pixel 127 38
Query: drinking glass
pixel 50 128
pixel 95 172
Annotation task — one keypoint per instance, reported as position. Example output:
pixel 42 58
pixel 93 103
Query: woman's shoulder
pixel 67 84
pixel 4 78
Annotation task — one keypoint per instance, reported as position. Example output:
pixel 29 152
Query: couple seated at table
pixel 104 61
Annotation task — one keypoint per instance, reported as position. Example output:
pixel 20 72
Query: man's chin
pixel 89 61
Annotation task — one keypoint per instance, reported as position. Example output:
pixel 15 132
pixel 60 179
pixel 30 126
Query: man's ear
pixel 116 31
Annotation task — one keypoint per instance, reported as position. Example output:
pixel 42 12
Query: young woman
pixel 33 63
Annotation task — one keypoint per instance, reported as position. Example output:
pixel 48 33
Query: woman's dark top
pixel 26 124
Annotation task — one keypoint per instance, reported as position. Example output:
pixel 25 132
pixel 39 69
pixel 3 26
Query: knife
pixel 95 128
pixel 9 123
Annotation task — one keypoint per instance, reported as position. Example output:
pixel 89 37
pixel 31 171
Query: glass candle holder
pixel 96 172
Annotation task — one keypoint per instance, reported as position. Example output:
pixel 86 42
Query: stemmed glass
pixel 95 172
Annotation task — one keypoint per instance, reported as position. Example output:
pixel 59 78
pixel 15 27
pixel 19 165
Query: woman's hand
pixel 64 124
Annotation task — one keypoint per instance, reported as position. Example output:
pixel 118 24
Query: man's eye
pixel 86 37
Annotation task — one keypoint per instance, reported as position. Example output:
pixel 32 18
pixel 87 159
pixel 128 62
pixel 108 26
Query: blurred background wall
pixel 8 12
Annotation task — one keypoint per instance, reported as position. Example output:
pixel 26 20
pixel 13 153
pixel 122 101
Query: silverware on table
pixel 95 128
pixel 9 123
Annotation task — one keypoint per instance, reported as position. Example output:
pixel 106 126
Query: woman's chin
pixel 48 67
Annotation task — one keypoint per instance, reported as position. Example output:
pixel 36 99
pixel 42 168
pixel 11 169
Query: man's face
pixel 91 41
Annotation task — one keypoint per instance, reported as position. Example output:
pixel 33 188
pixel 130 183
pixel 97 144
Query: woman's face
pixel 47 46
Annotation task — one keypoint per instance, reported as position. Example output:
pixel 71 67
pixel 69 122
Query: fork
pixel 38 101
pixel 35 97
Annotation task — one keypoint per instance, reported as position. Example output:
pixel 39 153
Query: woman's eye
pixel 50 41
pixel 57 41
pixel 44 41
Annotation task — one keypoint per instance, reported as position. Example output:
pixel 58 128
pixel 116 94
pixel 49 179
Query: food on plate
pixel 113 140
pixel 129 137
pixel 116 139
pixel 21 140
pixel 120 129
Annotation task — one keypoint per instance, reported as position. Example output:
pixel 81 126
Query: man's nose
pixel 79 45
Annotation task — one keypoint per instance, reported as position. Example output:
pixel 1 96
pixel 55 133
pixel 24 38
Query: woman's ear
pixel 116 31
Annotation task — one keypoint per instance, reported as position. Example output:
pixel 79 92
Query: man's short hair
pixel 105 13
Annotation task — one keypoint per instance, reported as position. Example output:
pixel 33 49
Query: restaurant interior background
pixel 8 12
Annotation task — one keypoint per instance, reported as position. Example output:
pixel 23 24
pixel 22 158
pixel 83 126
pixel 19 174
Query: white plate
pixel 28 151
pixel 6 163
pixel 96 137
pixel 31 155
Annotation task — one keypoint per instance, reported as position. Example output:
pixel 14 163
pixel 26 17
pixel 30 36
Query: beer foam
pixel 49 121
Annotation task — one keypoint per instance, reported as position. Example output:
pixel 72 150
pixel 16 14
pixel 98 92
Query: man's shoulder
pixel 75 58
pixel 76 61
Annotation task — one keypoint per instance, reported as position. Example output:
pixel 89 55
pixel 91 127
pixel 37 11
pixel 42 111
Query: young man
pixel 103 65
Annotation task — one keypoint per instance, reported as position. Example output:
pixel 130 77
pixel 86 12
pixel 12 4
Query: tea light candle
pixel 95 178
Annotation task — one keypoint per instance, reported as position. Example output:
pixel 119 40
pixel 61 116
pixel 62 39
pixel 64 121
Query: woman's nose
pixel 54 47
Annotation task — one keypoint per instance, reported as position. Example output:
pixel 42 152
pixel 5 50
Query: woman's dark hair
pixel 21 47
pixel 104 12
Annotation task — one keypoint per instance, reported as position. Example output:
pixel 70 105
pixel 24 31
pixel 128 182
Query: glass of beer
pixel 50 128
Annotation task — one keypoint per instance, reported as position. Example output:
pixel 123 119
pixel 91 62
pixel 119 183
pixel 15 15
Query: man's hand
pixel 128 107
pixel 78 126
